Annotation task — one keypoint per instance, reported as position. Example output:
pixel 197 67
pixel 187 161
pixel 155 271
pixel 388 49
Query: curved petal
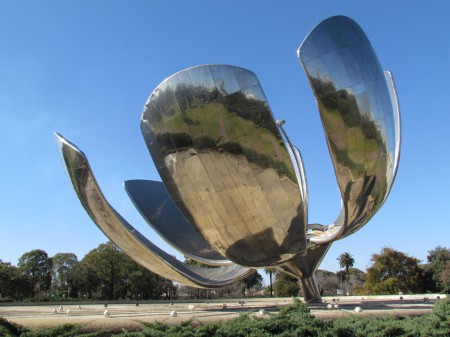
pixel 397 142
pixel 397 125
pixel 357 115
pixel 299 169
pixel 214 141
pixel 128 239
pixel 160 212
pixel 297 160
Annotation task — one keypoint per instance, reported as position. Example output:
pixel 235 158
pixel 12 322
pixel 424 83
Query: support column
pixel 310 290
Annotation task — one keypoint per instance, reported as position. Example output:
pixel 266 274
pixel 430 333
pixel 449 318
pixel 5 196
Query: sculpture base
pixel 310 290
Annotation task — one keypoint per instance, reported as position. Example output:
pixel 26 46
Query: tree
pixel 254 279
pixel 106 272
pixel 13 284
pixel 444 278
pixel 144 284
pixel 232 290
pixel 327 282
pixel 270 272
pixel 393 272
pixel 285 285
pixel 169 290
pixel 37 266
pixel 438 259
pixel 355 280
pixel 108 262
pixel 352 281
pixel 62 263
pixel 346 261
pixel 83 280
pixel 428 283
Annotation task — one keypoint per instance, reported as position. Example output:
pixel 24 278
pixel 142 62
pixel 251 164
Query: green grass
pixel 291 321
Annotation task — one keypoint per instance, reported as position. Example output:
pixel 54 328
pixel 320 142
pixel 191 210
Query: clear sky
pixel 86 69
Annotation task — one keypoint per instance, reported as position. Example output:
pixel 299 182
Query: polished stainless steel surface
pixel 234 186
pixel 304 267
pixel 221 156
pixel 396 110
pixel 360 117
pixel 130 241
pixel 158 209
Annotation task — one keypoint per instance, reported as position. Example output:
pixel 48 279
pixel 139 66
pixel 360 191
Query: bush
pixel 293 320
pixel 6 299
pixel 10 329
pixel 437 324
pixel 368 327
pixel 442 309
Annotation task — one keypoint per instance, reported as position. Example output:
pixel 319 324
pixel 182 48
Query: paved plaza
pixel 135 315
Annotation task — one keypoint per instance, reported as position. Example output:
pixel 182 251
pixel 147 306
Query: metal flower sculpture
pixel 233 191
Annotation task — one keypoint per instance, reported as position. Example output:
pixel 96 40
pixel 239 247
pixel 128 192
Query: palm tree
pixel 270 271
pixel 346 261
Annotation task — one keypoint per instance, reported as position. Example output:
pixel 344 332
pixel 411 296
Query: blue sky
pixel 86 68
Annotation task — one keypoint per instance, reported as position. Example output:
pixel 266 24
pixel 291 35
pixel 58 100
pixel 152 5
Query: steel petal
pixel 128 239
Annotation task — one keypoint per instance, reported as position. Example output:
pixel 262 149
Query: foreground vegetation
pixel 293 320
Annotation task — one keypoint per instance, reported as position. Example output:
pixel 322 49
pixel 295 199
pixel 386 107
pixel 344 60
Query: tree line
pixel 391 272
pixel 106 273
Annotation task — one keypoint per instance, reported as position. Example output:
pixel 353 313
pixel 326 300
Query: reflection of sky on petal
pixel 245 78
pixel 309 51
pixel 381 128
pixel 394 122
pixel 183 78
pixel 225 82
pixel 321 40
pixel 177 82
pixel 169 104
pixel 202 77
pixel 362 99
pixel 376 94
pixel 254 93
pixel 336 64
pixel 152 111
pixel 390 135
pixel 160 90
pixel 320 71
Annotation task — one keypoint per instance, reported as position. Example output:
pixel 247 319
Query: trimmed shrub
pixel 10 329
pixel 442 309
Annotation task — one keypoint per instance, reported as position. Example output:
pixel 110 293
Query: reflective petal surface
pixel 304 267
pixel 358 117
pixel 158 209
pixel 220 154
pixel 128 239
pixel 396 109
